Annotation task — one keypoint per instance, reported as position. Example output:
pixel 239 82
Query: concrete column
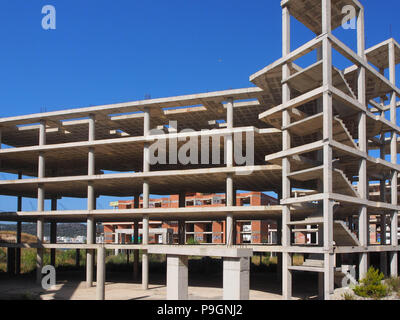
pixel 145 234
pixel 91 162
pixel 236 279
pixel 89 253
pixel 19 233
pixel 41 191
pixel 136 252
pixel 321 285
pixel 145 237
pixel 229 228
pixel 182 232
pixel 182 223
pixel 279 242
pixel 177 277
pixel 91 203
pixel 53 233
pixel 136 201
pixel 383 255
pixel 101 274
pixel 18 250
pixel 39 255
pixel 41 163
pixel 286 145
pixel 382 190
pixel 41 200
pixel 363 146
pixel 91 238
pixel 146 199
pixel 53 240
pixel 136 205
pixel 229 138
pixel 92 127
pixel 327 154
pixel 394 223
pixel 145 256
pixel 116 241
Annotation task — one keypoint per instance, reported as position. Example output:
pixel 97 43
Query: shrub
pixel 28 296
pixel 3 257
pixel 348 296
pixel 192 241
pixel 394 284
pixel 371 285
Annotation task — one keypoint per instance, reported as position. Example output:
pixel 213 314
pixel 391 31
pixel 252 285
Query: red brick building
pixel 201 231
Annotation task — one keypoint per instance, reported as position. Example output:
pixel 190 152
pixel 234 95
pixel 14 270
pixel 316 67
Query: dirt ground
pixel 120 286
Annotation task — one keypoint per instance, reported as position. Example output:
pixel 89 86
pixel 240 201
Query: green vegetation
pixel 371 285
pixel 348 296
pixel 394 285
pixel 29 296
pixel 192 241
pixel 65 259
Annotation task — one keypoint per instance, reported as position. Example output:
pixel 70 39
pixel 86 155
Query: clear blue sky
pixel 107 51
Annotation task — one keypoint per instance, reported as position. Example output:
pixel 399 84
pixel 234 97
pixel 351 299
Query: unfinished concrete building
pixel 315 130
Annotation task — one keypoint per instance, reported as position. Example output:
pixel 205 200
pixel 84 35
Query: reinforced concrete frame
pixel 314 130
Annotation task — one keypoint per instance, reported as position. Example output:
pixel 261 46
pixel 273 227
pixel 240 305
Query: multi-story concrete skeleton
pixel 313 130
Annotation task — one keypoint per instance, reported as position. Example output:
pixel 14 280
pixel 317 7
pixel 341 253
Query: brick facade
pixel 202 232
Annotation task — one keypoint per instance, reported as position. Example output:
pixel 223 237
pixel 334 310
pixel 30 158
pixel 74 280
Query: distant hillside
pixel 63 229
pixel 10 236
